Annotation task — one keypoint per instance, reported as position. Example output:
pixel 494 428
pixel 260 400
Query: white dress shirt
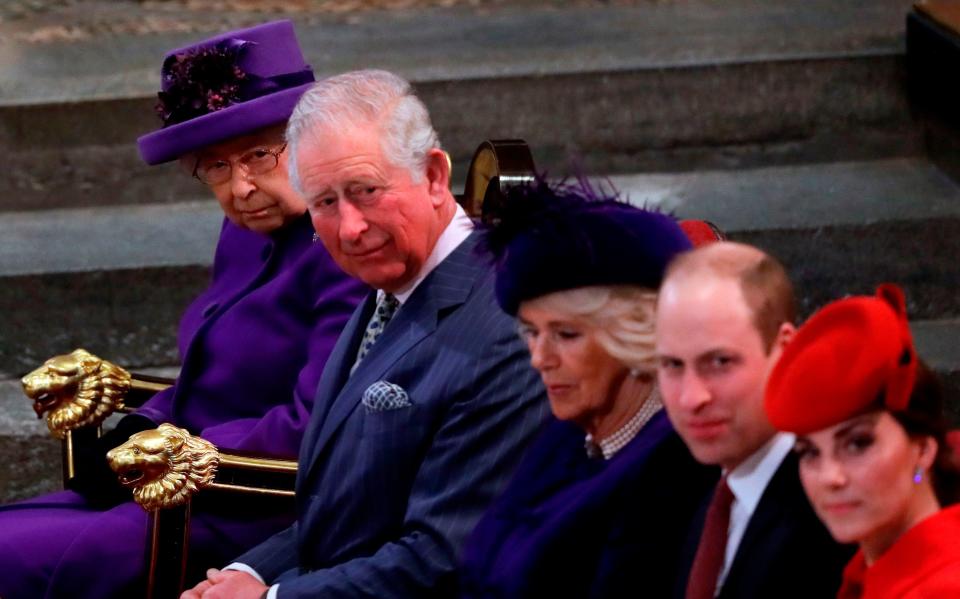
pixel 456 231
pixel 747 482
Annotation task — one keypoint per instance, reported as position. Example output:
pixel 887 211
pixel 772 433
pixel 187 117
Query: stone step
pixel 115 279
pixel 840 228
pixel 640 87
pixel 129 237
pixel 477 42
pixel 33 464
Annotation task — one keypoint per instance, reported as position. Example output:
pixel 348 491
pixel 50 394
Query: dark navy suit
pixel 387 497
pixel 786 552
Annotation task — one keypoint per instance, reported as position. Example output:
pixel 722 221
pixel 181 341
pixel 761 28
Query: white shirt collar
pixel 750 478
pixel 456 231
pixel 747 482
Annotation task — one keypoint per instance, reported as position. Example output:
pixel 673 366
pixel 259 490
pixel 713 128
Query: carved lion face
pixel 164 466
pixel 75 389
pixel 57 379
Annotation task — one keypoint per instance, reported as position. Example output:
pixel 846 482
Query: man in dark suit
pixel 724 314
pixel 413 431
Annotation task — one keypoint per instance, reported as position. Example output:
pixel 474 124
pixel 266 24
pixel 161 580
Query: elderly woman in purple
pixel 600 502
pixel 252 345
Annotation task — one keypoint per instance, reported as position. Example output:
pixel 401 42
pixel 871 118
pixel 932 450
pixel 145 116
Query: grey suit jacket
pixel 388 490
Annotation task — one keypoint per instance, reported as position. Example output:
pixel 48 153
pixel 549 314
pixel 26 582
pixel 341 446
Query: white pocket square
pixel 384 395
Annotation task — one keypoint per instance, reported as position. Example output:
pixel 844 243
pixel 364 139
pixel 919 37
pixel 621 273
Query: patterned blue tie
pixel 386 308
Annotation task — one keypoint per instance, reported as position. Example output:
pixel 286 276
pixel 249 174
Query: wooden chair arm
pixel 203 464
pixel 944 12
pixel 168 497
pixel 76 392
pixel 168 540
pixel 143 387
pixel 256 475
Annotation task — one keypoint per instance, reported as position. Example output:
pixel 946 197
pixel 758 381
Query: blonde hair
pixel 621 317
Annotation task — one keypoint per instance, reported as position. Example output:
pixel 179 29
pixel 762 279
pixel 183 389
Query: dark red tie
pixel 713 545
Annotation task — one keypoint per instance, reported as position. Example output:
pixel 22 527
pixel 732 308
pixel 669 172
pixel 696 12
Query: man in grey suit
pixel 416 430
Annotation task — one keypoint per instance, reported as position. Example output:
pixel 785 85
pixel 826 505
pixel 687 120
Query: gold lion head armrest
pixel 164 466
pixel 76 390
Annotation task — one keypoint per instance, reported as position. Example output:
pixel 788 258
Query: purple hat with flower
pixel 224 87
pixel 549 238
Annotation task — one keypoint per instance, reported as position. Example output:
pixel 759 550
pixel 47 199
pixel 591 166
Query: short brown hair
pixel 763 280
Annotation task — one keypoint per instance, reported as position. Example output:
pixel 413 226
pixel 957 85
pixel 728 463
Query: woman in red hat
pixel 874 458
pixel 252 345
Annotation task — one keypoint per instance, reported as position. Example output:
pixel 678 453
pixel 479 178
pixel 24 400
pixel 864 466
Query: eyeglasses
pixel 256 162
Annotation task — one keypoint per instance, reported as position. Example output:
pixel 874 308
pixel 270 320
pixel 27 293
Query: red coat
pixel 924 563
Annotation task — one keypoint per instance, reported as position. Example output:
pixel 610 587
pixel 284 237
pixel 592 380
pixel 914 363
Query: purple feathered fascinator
pixel 553 237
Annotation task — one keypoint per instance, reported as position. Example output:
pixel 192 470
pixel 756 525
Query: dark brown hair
pixel 925 417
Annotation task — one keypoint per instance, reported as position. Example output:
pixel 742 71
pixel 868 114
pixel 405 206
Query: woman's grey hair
pixel 622 317
pixel 363 98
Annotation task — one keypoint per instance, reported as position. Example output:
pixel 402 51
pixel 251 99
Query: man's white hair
pixel 368 97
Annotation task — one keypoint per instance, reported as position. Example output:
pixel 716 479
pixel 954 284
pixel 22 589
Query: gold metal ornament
pixel 75 390
pixel 164 466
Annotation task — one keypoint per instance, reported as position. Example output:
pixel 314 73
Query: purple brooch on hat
pixel 201 81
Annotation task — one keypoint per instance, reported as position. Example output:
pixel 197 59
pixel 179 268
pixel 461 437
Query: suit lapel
pixel 445 288
pixel 335 372
pixel 772 512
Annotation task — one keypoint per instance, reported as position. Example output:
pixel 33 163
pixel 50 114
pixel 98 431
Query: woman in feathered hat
pixel 600 500
pixel 252 345
pixel 874 459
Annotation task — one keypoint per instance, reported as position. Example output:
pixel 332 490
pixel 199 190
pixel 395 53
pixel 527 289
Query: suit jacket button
pixel 210 309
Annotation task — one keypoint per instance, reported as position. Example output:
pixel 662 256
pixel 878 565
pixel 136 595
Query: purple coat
pixel 259 336
pixel 252 346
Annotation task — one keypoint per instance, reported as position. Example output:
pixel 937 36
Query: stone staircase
pixel 789 126
pixel 841 228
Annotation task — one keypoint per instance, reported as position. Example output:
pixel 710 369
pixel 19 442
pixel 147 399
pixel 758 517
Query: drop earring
pixel 918 475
